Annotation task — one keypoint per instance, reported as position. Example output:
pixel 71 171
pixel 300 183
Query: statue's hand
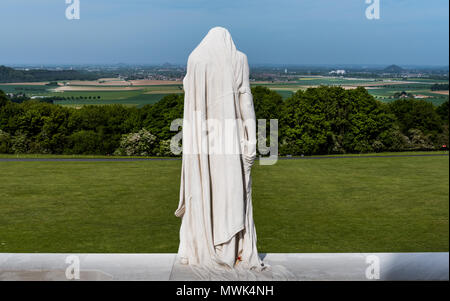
pixel 249 156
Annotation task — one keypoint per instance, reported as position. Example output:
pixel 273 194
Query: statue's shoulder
pixel 197 60
pixel 241 56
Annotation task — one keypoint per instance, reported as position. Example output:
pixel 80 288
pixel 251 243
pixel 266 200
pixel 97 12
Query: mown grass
pixel 51 156
pixel 345 205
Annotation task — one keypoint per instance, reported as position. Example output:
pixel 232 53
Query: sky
pixel 303 32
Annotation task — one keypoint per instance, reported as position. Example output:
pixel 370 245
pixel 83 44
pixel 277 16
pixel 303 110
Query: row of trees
pixel 10 75
pixel 320 120
pixel 439 87
pixel 333 120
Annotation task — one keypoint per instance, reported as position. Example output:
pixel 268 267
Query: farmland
pixel 383 90
pixel 111 92
pixel 140 92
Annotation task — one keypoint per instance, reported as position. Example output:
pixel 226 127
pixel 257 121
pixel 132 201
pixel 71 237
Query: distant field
pixel 29 89
pixel 77 95
pixel 396 204
pixel 440 92
pixel 420 90
pixel 382 90
pixel 141 92
pixel 133 97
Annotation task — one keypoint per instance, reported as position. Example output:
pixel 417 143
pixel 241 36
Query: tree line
pixel 439 87
pixel 323 120
pixel 10 75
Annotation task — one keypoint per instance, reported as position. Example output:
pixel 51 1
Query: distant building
pixel 337 72
pixel 403 95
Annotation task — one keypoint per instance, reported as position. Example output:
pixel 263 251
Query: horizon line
pixel 445 65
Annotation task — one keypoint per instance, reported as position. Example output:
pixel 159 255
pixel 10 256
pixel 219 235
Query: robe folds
pixel 215 205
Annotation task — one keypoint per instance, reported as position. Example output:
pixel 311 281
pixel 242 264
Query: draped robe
pixel 217 227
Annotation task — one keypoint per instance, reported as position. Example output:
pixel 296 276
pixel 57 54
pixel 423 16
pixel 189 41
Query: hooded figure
pixel 219 147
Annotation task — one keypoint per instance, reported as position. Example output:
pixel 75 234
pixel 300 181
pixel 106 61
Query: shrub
pixel 164 149
pixel 5 142
pixel 141 143
pixel 419 141
pixel 20 143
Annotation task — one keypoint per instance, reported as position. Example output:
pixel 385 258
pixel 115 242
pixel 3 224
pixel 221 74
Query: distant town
pixel 138 85
pixel 274 73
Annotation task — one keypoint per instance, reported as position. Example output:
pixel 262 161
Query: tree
pixel 158 117
pixel 3 99
pixel 319 120
pixel 412 114
pixel 268 104
pixel 85 143
pixel 419 114
pixel 443 111
pixel 305 130
pixel 333 120
pixel 5 142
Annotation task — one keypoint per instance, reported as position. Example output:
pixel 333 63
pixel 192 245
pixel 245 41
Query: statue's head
pixel 219 30
pixel 219 38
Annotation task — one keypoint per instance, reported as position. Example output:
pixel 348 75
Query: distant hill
pixel 393 69
pixel 10 75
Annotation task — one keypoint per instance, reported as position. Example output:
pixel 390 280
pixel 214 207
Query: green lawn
pixel 332 205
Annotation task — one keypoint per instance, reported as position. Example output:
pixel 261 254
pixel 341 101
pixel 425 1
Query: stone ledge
pixel 298 266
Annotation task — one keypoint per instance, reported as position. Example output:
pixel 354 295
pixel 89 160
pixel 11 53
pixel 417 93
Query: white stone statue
pixel 219 148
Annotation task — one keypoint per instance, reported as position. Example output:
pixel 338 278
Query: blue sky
pixel 409 32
